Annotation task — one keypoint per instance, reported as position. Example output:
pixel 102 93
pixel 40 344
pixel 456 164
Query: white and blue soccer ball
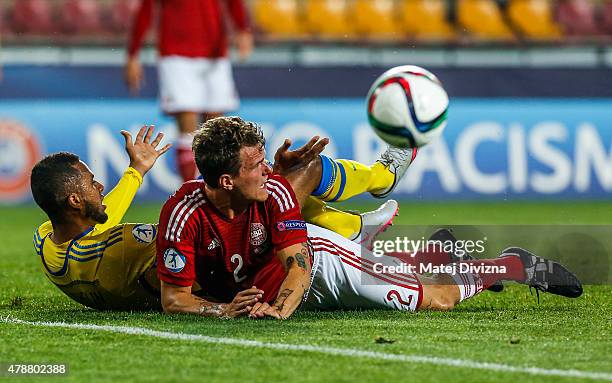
pixel 407 106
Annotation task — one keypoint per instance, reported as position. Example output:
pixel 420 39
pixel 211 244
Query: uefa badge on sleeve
pixel 144 233
pixel 174 260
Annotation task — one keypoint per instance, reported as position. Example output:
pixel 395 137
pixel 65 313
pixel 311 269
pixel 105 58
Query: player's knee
pixel 445 304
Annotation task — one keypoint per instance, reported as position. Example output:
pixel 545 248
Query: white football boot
pixel 397 160
pixel 375 222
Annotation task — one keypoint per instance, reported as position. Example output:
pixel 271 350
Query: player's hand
pixel 286 160
pixel 243 302
pixel 134 75
pixel 143 153
pixel 244 43
pixel 263 309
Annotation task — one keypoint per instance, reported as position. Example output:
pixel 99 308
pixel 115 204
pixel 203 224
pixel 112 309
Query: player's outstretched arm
pixel 179 299
pixel 296 260
pixel 142 151
pixel 143 155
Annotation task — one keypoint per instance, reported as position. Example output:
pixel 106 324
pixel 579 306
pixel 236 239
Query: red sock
pixel 513 265
pixel 185 161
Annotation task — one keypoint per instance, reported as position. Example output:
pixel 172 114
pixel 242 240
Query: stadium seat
pixel 120 15
pixel 483 19
pixel 426 19
pixel 32 16
pixel 577 17
pixel 328 19
pixel 534 19
pixel 605 22
pixel 4 28
pixel 80 17
pixel 278 18
pixel 375 19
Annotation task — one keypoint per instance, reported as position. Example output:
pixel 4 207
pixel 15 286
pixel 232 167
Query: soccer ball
pixel 407 106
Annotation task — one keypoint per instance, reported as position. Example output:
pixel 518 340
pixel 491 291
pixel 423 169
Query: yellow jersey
pixel 111 265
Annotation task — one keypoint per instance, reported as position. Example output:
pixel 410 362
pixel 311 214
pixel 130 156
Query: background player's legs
pixel 187 123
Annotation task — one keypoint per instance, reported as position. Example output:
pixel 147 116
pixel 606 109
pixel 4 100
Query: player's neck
pixel 226 203
pixel 66 231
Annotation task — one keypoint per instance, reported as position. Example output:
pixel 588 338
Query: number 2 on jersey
pixel 236 258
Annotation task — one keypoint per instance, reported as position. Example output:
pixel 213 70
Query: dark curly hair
pixel 217 145
pixel 53 179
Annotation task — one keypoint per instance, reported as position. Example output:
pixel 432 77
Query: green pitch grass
pixel 510 328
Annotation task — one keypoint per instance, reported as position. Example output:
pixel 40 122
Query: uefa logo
pixel 19 152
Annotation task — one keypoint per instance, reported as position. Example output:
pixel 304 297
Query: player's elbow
pixel 170 306
pixel 172 302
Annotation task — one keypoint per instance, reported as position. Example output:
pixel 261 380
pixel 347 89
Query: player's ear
pixel 226 182
pixel 74 201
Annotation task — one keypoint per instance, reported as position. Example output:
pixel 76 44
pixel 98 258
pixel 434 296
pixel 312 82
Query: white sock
pixel 185 140
pixel 469 284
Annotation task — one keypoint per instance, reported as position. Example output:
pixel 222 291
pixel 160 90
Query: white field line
pixel 347 352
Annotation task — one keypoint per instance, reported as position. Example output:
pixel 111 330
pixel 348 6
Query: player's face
pixel 91 192
pixel 254 171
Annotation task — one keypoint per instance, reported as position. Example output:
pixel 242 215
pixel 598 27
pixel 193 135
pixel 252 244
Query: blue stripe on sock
pixel 327 176
pixel 342 182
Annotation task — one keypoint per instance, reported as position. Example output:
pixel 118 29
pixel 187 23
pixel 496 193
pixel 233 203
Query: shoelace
pixel 537 290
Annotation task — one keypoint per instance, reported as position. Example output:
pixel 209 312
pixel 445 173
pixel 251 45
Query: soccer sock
pixel 472 283
pixel 318 213
pixel 185 159
pixel 343 179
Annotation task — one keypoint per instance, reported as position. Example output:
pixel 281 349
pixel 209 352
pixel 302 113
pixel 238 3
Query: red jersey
pixel 191 28
pixel 197 243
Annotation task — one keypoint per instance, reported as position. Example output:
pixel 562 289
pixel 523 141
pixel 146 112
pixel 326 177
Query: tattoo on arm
pixel 207 309
pixel 300 261
pixel 282 297
pixel 304 257
pixel 290 261
pixel 300 257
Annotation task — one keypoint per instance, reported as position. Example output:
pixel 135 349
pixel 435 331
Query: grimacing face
pixel 254 171
pixel 91 192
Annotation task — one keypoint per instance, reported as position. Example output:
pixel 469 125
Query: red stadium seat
pixel 606 17
pixel 121 14
pixel 32 16
pixel 577 17
pixel 80 17
pixel 4 28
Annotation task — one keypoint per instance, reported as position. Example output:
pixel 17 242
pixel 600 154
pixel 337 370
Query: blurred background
pixel 530 83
